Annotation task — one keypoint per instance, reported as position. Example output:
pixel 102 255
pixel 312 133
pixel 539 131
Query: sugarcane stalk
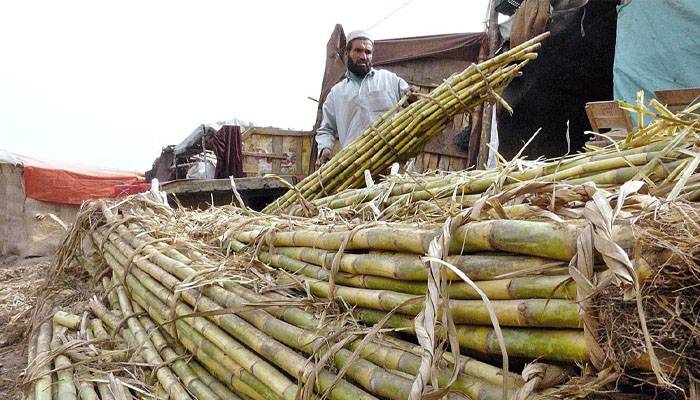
pixel 278 354
pixel 410 363
pixel 112 321
pixel 208 338
pixel 304 339
pixel 43 385
pixel 212 382
pixel 554 313
pixel 401 266
pixel 67 320
pixel 165 376
pixel 448 184
pixel 371 238
pixel 558 287
pixel 179 366
pixel 545 239
pixel 65 388
pixel 86 391
pixel 394 357
pixel 565 345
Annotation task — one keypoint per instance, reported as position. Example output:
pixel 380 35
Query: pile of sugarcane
pixel 401 132
pixel 252 342
pixel 230 303
pixel 274 307
pixel 657 153
pixel 113 351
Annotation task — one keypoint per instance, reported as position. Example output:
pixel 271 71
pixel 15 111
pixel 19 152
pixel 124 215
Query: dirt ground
pixel 18 282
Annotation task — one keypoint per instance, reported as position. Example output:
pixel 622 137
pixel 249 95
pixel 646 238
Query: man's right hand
pixel 323 158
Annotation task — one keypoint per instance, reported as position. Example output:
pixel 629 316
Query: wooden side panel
pixel 253 146
pixel 444 163
pixel 677 99
pixel 279 151
pixel 433 165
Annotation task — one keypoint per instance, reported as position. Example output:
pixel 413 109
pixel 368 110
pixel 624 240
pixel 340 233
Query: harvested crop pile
pixel 536 288
pixel 657 153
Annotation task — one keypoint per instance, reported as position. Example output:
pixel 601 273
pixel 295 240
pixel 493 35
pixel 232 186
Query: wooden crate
pixel 608 115
pixel 677 99
pixel 269 150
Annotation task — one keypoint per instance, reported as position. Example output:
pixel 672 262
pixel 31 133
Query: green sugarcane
pixel 212 338
pixel 391 357
pixel 87 391
pixel 565 345
pixel 212 382
pixel 165 376
pixel 313 183
pixel 478 267
pixel 65 388
pixel 43 384
pixel 341 354
pixel 180 367
pixel 553 313
pixel 273 352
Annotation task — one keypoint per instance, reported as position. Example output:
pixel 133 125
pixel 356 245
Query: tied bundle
pixel 401 132
pixel 657 153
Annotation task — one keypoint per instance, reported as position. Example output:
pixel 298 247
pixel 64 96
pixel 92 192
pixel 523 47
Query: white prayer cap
pixel 358 35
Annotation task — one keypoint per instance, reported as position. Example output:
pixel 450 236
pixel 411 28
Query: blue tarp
pixel 658 47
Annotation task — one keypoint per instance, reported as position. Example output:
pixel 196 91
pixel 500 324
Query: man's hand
pixel 323 158
pixel 412 93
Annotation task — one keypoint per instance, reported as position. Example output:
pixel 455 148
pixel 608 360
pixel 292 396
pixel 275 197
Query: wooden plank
pixel 433 163
pixel 419 162
pixel 444 163
pixel 263 155
pixel 677 99
pixel 270 131
pixel 305 156
pixel 223 185
pixel 277 149
pixel 607 114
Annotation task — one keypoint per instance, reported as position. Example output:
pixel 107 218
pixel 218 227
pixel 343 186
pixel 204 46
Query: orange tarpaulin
pixel 72 183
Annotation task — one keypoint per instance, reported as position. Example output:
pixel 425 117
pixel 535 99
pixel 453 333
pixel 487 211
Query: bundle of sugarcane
pixel 401 132
pixel 70 356
pixel 657 153
pixel 254 325
pixel 520 265
pixel 247 340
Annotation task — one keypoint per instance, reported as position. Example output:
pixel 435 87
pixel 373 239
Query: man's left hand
pixel 412 93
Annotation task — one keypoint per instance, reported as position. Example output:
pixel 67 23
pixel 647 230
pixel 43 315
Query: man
pixel 360 98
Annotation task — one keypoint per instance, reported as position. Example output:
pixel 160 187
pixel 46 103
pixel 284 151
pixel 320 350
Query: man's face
pixel 360 57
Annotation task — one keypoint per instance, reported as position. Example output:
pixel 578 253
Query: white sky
pixel 111 83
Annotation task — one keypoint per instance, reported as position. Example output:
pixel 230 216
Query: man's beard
pixel 359 70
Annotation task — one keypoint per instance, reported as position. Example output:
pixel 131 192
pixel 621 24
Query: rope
pixel 454 93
